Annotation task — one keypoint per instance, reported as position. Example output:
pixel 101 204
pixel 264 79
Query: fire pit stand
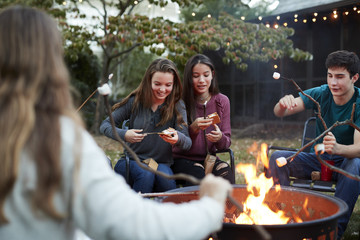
pixel 319 214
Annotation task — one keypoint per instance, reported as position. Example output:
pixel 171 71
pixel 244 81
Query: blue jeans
pixel 144 181
pixel 302 166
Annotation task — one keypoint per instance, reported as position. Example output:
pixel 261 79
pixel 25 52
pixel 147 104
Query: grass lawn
pixel 240 147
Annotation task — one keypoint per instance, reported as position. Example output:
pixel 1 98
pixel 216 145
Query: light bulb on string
pixel 335 15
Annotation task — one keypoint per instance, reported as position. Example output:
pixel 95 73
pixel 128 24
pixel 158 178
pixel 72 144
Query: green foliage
pixel 119 32
pixel 85 74
pixel 131 72
pixel 235 40
pixel 235 8
pixel 43 4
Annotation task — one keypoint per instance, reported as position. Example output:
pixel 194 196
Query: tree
pixel 235 8
pixel 118 32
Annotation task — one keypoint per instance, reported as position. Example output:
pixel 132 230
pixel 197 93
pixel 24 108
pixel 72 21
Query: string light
pixel 136 2
pixel 162 9
pixel 64 3
pixel 275 66
pixel 333 14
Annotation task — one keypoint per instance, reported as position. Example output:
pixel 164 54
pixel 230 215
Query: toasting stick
pixel 206 146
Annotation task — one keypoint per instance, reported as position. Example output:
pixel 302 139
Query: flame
pixel 261 157
pixel 255 210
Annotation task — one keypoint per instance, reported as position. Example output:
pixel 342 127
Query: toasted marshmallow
pixel 276 75
pixel 281 161
pixel 319 148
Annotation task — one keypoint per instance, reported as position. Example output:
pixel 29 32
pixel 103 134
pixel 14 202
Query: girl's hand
pixel 170 138
pixel 133 136
pixel 214 135
pixel 201 123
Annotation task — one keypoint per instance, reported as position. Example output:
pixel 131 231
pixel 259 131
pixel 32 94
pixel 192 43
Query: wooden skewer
pixel 165 194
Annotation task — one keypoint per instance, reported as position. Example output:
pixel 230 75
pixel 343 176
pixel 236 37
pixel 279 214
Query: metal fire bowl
pixel 319 219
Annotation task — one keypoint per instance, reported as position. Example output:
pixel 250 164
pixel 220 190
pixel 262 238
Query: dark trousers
pixel 196 169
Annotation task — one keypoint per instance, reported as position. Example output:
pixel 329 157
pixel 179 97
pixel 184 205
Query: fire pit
pixel 318 212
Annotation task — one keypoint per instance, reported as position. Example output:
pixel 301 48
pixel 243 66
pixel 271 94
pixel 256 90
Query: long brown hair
pixel 188 94
pixel 143 93
pixel 34 93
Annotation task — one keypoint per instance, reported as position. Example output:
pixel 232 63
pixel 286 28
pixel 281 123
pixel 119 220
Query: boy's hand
pixel 330 144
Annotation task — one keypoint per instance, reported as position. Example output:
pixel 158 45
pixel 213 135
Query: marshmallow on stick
pixel 281 161
pixel 104 89
pixel 276 75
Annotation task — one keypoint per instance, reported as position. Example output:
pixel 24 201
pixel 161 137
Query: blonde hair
pixel 34 93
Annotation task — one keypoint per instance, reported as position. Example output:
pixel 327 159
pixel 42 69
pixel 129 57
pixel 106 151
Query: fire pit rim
pixel 342 205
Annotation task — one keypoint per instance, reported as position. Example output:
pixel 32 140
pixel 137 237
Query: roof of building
pixel 287 6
